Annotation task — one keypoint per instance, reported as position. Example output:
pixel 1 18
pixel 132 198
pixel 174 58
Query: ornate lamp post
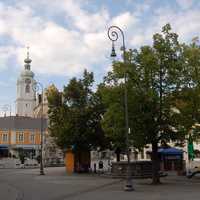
pixel 36 87
pixel 113 36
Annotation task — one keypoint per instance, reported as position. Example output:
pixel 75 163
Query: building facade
pixel 21 135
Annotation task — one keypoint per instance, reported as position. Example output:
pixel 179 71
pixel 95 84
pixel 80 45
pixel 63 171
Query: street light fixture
pixel 113 36
pixel 36 87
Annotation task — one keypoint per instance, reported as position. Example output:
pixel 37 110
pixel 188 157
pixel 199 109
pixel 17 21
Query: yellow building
pixel 19 133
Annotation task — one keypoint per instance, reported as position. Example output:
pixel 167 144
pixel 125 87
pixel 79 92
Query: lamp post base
pixel 128 186
pixel 42 172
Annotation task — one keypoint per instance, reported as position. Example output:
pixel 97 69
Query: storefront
pixel 171 159
pixel 4 151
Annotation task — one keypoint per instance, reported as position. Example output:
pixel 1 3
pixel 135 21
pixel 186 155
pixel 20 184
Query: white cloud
pixel 185 23
pixel 3 59
pixel 185 4
pixel 137 40
pixel 124 20
pixel 83 20
pixel 5 54
pixel 53 48
pixel 60 50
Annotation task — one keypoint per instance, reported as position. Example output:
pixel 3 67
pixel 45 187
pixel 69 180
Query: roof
pixel 170 151
pixel 20 123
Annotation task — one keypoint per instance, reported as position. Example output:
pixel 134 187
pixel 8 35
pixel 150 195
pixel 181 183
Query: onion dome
pixel 27 61
pixel 27 67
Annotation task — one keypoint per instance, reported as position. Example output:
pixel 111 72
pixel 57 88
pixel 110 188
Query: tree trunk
pixel 77 162
pixel 118 151
pixel 118 157
pixel 82 161
pixel 155 164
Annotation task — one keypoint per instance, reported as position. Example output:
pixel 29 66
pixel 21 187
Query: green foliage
pixel 188 98
pixel 75 121
pixel 163 84
pixel 153 76
pixel 153 79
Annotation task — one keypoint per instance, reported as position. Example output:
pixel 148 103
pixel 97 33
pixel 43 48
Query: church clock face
pixel 27 87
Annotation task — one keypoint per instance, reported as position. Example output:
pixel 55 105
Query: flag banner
pixel 190 148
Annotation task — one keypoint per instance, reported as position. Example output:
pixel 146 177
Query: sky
pixel 67 36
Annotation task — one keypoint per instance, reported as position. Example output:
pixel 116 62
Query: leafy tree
pixel 153 76
pixel 75 117
pixel 188 98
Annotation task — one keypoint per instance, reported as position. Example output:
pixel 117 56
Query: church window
pixel 40 98
pixel 27 82
pixel 27 88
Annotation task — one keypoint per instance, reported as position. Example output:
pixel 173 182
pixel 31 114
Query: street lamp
pixel 113 36
pixel 36 87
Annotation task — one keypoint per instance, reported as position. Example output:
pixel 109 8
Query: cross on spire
pixel 27 60
pixel 27 51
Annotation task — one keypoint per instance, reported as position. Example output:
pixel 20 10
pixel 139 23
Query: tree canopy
pixel 163 84
pixel 75 115
pixel 154 77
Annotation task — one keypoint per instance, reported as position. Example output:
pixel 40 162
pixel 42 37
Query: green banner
pixel 190 149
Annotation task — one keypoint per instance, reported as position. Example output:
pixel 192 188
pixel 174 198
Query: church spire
pixel 27 61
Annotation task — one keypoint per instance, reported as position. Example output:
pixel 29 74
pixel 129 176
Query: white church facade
pixel 26 95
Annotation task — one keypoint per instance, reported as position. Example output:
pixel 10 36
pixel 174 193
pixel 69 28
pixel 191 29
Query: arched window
pixel 27 88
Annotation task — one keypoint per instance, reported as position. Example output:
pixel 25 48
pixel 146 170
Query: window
pixel 32 138
pixel 5 137
pixel 39 98
pixel 21 137
pixel 27 82
pixel 27 88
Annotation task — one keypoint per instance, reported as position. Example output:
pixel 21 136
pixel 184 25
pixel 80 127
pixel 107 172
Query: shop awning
pixel 170 151
pixel 2 146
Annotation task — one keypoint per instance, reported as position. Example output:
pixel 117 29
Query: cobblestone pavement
pixel 26 184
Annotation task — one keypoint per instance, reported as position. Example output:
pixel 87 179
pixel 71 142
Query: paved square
pixel 26 184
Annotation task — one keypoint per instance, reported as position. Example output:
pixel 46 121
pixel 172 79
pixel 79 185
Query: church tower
pixel 26 96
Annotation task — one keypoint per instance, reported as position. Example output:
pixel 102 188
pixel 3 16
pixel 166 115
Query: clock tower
pixel 26 96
